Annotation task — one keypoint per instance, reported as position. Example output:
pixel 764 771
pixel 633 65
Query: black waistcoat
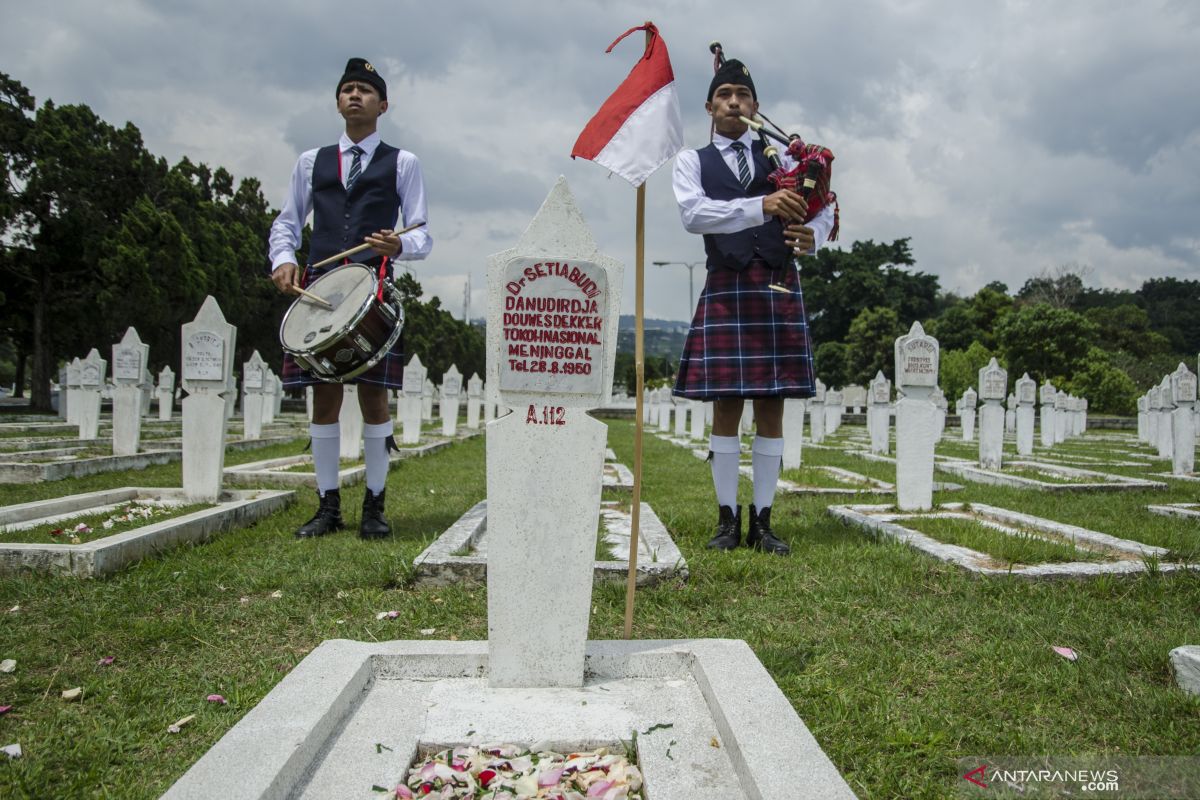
pixel 343 219
pixel 736 250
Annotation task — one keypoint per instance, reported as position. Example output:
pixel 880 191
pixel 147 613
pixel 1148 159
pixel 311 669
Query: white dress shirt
pixel 702 214
pixel 410 186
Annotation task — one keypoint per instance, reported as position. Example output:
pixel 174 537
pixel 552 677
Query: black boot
pixel 327 519
pixel 761 537
pixel 373 524
pixel 729 529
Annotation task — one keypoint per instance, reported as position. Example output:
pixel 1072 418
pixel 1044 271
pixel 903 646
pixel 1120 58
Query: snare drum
pixel 343 343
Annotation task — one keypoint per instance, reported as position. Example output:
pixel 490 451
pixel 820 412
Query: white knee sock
pixel 767 456
pixel 725 453
pixel 376 455
pixel 326 449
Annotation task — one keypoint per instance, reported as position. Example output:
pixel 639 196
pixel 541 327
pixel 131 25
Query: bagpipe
pixel 812 173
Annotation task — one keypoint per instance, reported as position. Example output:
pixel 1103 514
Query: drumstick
pixel 315 298
pixel 360 248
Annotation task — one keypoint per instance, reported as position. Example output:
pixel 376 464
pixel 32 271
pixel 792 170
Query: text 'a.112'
pixel 546 415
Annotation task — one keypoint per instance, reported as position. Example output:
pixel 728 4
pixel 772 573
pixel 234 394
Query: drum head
pixel 308 324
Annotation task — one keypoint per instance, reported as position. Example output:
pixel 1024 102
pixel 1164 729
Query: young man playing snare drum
pixel 358 191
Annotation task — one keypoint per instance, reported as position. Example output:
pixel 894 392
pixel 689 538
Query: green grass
pixel 1049 476
pixel 898 664
pixel 811 476
pixel 1020 547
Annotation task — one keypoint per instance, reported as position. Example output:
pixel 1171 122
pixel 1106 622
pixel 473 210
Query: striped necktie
pixel 355 167
pixel 743 167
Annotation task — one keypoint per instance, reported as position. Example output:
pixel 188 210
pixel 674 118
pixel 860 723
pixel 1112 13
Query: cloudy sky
pixel 1005 138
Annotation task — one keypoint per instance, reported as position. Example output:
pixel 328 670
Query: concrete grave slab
pixel 461 552
pixel 111 553
pixel 1121 556
pixel 855 483
pixel 1183 510
pixel 1185 663
pixel 314 735
pixel 24 471
pixel 1084 480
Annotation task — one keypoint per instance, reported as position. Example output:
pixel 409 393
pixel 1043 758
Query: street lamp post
pixel 690 266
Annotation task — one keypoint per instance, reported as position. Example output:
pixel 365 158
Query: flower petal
pixel 216 698
pixel 1066 652
pixel 106 661
pixel 8 665
pixel 12 750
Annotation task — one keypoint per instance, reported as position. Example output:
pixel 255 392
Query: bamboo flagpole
pixel 636 131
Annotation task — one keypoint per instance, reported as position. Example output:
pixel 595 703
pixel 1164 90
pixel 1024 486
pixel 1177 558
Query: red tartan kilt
pixel 389 372
pixel 747 340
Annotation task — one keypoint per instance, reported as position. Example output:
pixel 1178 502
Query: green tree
pixel 973 320
pixel 1108 389
pixel 1173 307
pixel 959 369
pixel 432 333
pixel 1045 341
pixel 831 361
pixel 1126 328
pixel 870 344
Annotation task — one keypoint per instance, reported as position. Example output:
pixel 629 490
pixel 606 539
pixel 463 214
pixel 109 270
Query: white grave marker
pixel 1047 410
pixel 966 414
pixel 129 364
pixel 448 404
pixel 916 419
pixel 993 384
pixel 816 412
pixel 474 400
pixel 74 370
pixel 253 374
pixel 351 419
pixel 793 432
pixel 411 401
pixel 1026 399
pixel 553 302
pixel 879 413
pixel 697 411
pixel 91 381
pixel 207 347
pixel 166 394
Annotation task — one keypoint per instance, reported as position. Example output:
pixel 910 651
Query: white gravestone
pixel 352 423
pixel 879 413
pixel 147 387
pixel 1026 399
pixel 448 403
pixel 993 385
pixel 681 416
pixel 254 373
pixel 91 382
pixel 411 401
pixel 271 396
pixel 73 398
pixel 1010 414
pixel 474 400
pixel 166 394
pixel 833 412
pixel 816 413
pixel 1141 418
pixel 231 396
pixel 966 414
pixel 1047 411
pixel 1154 410
pixel 916 419
pixel 665 408
pixel 1166 407
pixel 553 302
pixel 129 366
pixel 940 404
pixel 854 397
pixel 63 393
pixel 1061 422
pixel 698 411
pixel 793 432
pixel 427 399
pixel 206 368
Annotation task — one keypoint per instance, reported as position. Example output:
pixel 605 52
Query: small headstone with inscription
pixel 1010 414
pixel 427 393
pixel 351 420
pixel 448 401
pixel 474 401
pixel 1166 408
pixel 916 418
pixel 966 414
pixel 74 373
pixel 411 400
pixel 63 394
pixel 91 382
pixel 993 385
pixel 129 366
pixel 1026 400
pixel 1047 414
pixel 793 432
pixel 816 412
pixel 1062 422
pixel 556 270
pixel 208 344
pixel 681 417
pixel 697 412
pixel 879 413
pixel 147 386
pixel 271 396
pixel 940 404
pixel 254 373
pixel 166 394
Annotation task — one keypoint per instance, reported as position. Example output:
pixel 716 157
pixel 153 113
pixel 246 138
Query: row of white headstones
pixel 1166 419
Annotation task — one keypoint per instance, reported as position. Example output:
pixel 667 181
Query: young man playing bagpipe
pixel 749 338
pixel 357 190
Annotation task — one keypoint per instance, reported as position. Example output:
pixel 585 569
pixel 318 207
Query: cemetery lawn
pixel 90 527
pixel 811 476
pixel 1019 547
pixel 897 663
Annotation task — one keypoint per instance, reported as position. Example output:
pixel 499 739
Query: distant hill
pixel 661 337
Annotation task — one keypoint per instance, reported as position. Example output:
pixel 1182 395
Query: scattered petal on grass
pixel 278 593
pixel 1066 652
pixel 216 698
pixel 387 615
pixel 340 622
pixel 342 595
pixel 12 750
pixel 106 661
pixel 180 724
pixel 72 694
pixel 428 631
pixel 8 665
pixel 5 709
pixel 14 609
pixel 244 601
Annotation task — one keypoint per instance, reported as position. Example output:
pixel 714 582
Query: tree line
pixel 97 234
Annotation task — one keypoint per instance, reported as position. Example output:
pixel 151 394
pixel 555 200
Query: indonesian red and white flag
pixel 639 128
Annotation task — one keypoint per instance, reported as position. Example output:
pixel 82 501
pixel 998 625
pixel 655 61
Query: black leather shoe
pixel 327 519
pixel 373 524
pixel 761 537
pixel 729 529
